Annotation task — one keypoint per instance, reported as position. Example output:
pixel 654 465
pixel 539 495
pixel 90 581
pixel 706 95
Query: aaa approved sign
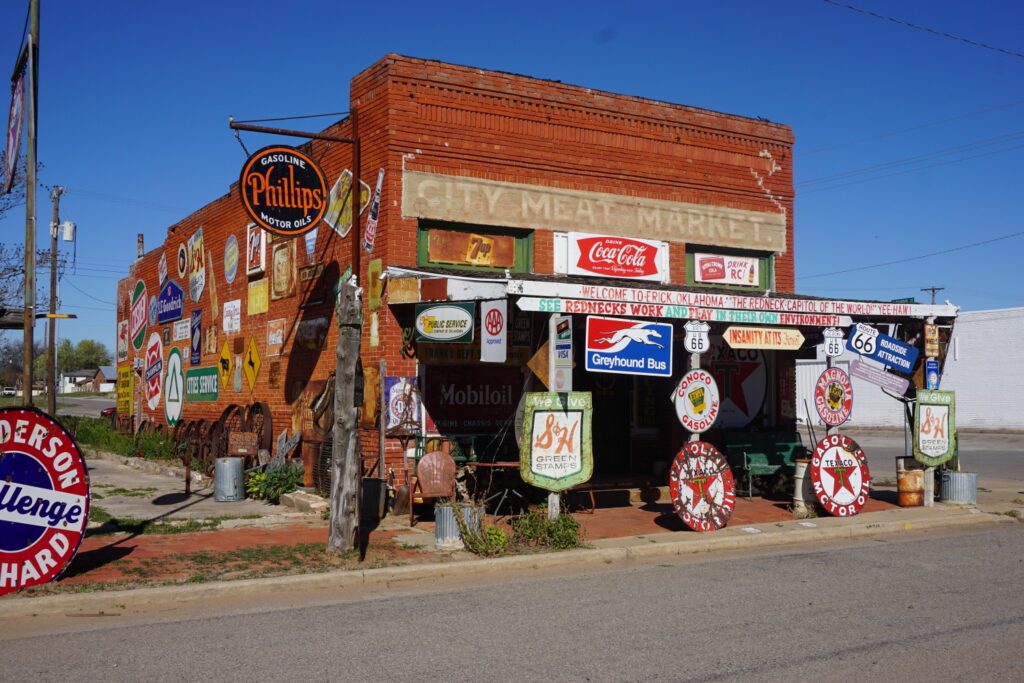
pixel 44 487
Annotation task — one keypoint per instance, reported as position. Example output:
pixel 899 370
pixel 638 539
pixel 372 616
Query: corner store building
pixel 474 157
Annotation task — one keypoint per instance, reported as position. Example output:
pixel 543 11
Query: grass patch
pixel 130 525
pixel 99 433
pixel 144 492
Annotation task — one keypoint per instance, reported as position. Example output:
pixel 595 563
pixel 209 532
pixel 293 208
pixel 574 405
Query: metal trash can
pixel 959 487
pixel 228 480
pixel 446 529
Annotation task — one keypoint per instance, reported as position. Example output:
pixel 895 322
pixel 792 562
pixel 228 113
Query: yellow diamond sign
pixel 251 364
pixel 224 365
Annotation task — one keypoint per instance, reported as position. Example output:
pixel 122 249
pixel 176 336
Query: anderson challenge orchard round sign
pixel 283 190
pixel 44 498
pixel 702 487
pixel 839 475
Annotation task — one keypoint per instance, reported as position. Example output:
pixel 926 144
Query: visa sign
pixel 629 347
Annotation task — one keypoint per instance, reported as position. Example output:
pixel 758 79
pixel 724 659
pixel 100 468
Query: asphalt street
pixel 83 406
pixel 915 608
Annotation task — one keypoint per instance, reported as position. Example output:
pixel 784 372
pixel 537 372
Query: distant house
pixel 106 379
pixel 76 380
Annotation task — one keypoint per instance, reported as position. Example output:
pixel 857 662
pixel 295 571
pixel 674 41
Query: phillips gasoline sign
pixel 44 499
pixel 283 190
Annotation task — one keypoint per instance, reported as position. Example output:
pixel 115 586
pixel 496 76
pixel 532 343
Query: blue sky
pixel 134 100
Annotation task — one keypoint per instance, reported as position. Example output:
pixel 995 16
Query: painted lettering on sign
pixel 631 347
pixel 839 475
pixel 702 487
pixel 833 396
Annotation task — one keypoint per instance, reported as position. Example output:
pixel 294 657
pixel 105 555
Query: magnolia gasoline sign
pixel 44 498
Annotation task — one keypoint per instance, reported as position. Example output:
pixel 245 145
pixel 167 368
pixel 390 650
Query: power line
pixel 293 118
pixel 941 34
pixel 68 281
pixel 126 200
pixel 914 258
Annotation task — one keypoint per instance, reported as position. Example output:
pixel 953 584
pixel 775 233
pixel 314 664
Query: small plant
pixel 534 529
pixel 487 543
pixel 271 484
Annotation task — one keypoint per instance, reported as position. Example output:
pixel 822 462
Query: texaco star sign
pixel 702 487
pixel 839 475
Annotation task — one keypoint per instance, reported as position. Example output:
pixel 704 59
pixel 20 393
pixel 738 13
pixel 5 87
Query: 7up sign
pixel 137 327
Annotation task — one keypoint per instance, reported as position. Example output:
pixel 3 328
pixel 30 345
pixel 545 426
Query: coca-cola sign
pixel 607 256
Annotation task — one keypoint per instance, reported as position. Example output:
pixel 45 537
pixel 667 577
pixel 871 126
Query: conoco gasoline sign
pixel 839 475
pixel 702 487
pixel 44 499
pixel 283 190
pixel 696 400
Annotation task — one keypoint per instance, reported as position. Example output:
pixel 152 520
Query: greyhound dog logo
pixel 620 339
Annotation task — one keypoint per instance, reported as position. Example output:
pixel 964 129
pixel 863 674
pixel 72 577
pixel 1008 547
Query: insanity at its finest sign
pixel 934 427
pixel 833 396
pixel 44 499
pixel 839 475
pixel 283 190
pixel 702 487
pixel 556 449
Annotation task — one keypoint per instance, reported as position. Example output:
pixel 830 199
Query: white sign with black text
pixel 696 339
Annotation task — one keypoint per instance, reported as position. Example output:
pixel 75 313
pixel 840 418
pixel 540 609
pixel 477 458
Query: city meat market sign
pixel 702 487
pixel 556 452
pixel 44 499
pixel 283 190
pixel 839 475
pixel 518 205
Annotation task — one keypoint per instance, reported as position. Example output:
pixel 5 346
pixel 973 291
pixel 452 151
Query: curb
pixel 108 602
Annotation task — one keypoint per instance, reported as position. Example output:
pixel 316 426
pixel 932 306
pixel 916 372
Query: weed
pixel 534 529
pixel 132 493
pixel 271 484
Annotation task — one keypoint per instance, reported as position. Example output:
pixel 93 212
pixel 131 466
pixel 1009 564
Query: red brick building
pixel 492 182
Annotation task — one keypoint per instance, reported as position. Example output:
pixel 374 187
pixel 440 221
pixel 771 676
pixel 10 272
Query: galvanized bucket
pixel 959 487
pixel 446 529
pixel 228 480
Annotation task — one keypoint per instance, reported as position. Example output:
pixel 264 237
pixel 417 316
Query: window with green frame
pixel 474 247
pixel 764 268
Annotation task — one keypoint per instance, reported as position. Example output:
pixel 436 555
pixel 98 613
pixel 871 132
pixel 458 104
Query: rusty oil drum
pixel 910 488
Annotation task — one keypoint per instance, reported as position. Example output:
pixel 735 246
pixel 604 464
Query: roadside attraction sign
pixel 696 400
pixel 283 190
pixel 44 499
pixel 702 487
pixel 833 396
pixel 839 475
pixel 649 310
pixel 870 343
pixel 628 347
pixel 555 450
pixel 934 427
pixel 780 339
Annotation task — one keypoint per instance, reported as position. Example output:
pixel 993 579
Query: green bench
pixel 762 453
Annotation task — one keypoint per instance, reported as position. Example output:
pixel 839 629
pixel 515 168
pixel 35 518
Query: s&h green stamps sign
pixel 934 427
pixel 555 449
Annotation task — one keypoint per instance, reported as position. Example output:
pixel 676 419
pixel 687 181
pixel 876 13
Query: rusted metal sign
pixel 839 475
pixel 833 396
pixel 702 487
pixel 44 486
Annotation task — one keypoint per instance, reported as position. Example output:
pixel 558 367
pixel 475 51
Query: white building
pixel 984 366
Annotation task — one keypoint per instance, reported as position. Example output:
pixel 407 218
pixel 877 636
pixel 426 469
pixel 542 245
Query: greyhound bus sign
pixel 44 499
pixel 629 347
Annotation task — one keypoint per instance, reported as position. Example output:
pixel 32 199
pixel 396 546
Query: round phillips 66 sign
pixel 44 498
pixel 833 397
pixel 839 475
pixel 702 487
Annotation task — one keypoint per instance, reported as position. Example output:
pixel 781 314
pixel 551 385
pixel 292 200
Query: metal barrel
pixel 446 529
pixel 959 487
pixel 910 488
pixel 228 480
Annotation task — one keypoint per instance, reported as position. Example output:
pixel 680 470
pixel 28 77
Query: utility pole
pixel 51 346
pixel 933 290
pixel 29 319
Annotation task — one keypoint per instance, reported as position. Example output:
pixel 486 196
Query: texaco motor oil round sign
pixel 833 397
pixel 839 475
pixel 44 498
pixel 702 487
pixel 696 400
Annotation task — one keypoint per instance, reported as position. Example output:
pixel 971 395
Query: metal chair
pixel 435 478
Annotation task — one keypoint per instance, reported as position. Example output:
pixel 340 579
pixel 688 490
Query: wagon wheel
pixel 230 421
pixel 196 449
pixel 258 419
pixel 180 438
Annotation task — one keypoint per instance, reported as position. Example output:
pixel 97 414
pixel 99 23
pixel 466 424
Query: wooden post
pixel 346 461
pixel 554 506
